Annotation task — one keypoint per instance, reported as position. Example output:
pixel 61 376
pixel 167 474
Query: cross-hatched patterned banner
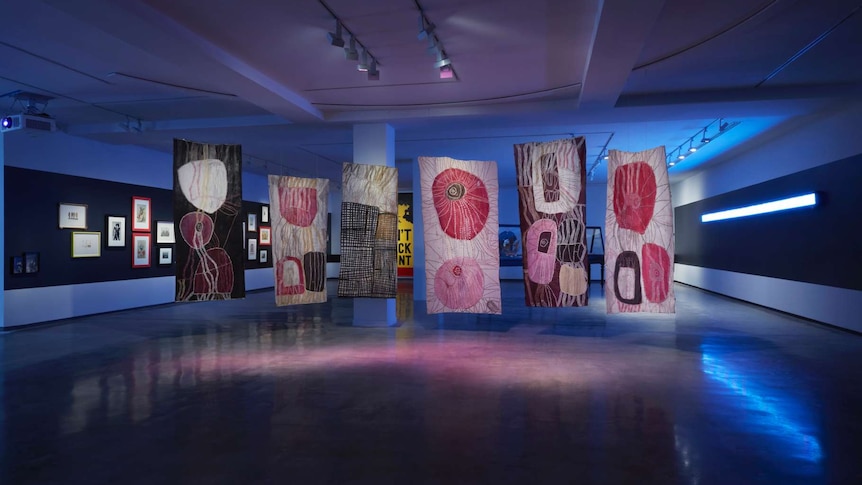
pixel 460 217
pixel 369 231
pixel 298 212
pixel 552 198
pixel 207 208
pixel 639 225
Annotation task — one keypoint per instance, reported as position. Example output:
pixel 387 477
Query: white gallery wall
pixel 800 144
pixel 60 153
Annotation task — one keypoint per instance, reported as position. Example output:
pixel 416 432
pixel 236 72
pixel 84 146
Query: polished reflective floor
pixel 243 392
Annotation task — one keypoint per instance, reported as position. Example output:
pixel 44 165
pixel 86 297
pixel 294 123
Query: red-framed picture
pixel 141 247
pixel 265 236
pixel 141 210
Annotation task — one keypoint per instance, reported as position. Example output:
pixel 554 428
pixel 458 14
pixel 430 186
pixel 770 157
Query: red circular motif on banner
pixel 461 201
pixel 655 268
pixel 196 228
pixel 298 205
pixel 634 196
pixel 459 283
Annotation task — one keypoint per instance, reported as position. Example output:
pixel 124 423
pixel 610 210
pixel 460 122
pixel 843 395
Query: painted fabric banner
pixel 207 216
pixel 551 180
pixel 639 225
pixel 460 219
pixel 298 218
pixel 369 231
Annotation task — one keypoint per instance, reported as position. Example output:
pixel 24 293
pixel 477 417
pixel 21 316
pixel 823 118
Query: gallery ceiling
pixel 629 75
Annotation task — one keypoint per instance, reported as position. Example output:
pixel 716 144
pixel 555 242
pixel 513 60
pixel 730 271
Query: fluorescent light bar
pixel 806 200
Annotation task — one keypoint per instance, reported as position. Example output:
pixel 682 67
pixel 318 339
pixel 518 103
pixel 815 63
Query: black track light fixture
pixel 335 38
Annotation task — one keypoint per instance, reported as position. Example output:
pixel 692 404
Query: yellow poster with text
pixel 405 234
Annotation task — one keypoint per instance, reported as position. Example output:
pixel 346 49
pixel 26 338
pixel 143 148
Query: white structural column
pixel 374 144
pixel 419 282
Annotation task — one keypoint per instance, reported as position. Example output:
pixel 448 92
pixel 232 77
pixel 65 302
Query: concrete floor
pixel 244 392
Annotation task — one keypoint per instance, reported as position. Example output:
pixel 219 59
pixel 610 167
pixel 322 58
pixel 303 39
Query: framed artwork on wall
pixel 116 232
pixel 264 214
pixel 141 250
pixel 509 238
pixel 73 216
pixel 86 244
pixel 165 232
pixel 31 262
pixel 140 214
pixel 252 223
pixel 17 265
pixel 264 255
pixel 252 249
pixel 265 236
pixel 166 256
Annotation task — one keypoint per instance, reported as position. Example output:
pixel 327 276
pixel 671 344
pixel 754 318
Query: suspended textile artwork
pixel 207 206
pixel 551 180
pixel 298 218
pixel 369 231
pixel 639 224
pixel 462 255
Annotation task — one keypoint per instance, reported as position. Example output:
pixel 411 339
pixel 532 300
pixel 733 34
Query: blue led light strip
pixel 806 200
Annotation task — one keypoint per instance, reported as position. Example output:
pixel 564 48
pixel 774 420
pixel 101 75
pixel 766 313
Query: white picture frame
pixel 72 216
pixel 115 232
pixel 252 222
pixel 252 249
pixel 264 214
pixel 165 232
pixel 264 256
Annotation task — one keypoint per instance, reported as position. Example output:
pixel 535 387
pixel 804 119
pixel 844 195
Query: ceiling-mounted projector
pixel 30 122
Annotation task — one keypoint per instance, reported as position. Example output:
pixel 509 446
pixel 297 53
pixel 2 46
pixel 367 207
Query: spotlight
pixel 671 164
pixel 336 39
pixel 722 125
pixel 446 72
pixel 350 53
pixel 425 28
pixel 373 73
pixel 681 157
pixel 606 157
pixel 692 149
pixel 705 139
pixel 442 59
pixel 6 122
pixel 363 64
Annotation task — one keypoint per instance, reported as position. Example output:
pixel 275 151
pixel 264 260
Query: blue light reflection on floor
pixel 763 405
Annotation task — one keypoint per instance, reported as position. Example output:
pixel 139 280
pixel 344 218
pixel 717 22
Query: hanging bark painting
pixel 551 180
pixel 298 218
pixel 207 206
pixel 462 258
pixel 369 231
pixel 639 224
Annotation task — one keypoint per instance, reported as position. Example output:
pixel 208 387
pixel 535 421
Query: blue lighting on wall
pixel 806 200
pixel 766 409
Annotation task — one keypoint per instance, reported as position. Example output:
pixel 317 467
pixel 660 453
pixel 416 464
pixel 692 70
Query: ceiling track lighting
pixel 368 62
pixel 335 38
pixel 695 142
pixel 603 155
pixel 427 30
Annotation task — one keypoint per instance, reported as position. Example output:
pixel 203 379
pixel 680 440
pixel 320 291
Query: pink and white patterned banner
pixel 639 224
pixel 298 213
pixel 460 219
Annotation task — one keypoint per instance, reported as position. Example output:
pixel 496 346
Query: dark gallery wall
pixel 32 218
pixel 801 261
pixel 813 245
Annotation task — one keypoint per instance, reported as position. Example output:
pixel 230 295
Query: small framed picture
pixel 252 249
pixel 265 236
pixel 73 216
pixel 141 214
pixel 166 256
pixel 141 250
pixel 252 223
pixel 17 266
pixel 116 231
pixel 264 255
pixel 86 244
pixel 165 232
pixel 31 262
pixel 264 214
